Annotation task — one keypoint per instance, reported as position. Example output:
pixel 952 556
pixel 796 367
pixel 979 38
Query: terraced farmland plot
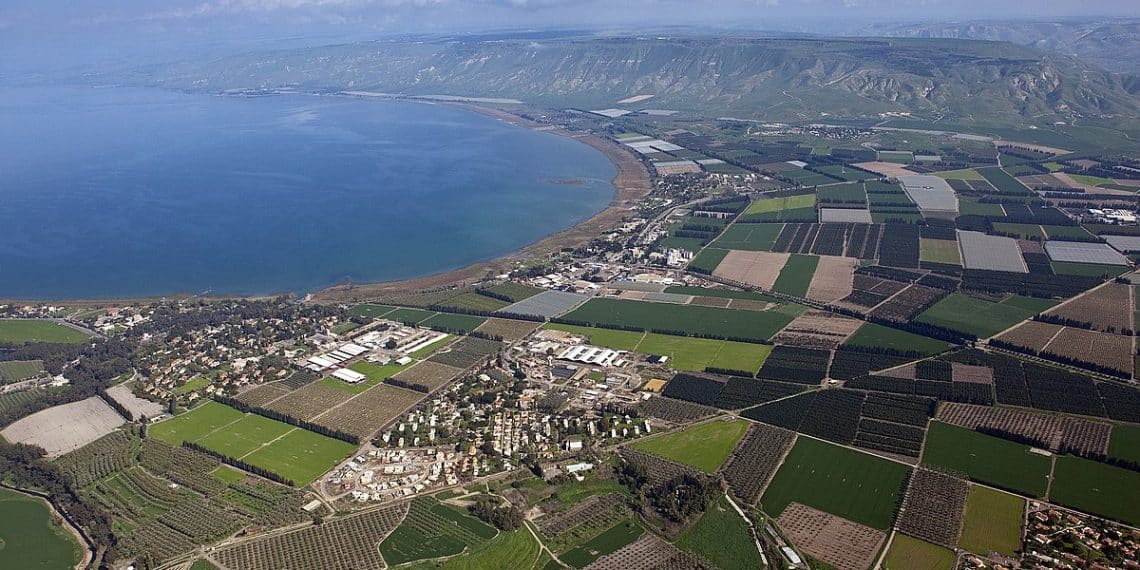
pixel 987 459
pixel 853 485
pixel 683 319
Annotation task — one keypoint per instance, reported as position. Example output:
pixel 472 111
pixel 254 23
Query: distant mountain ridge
pixel 777 78
pixel 1113 45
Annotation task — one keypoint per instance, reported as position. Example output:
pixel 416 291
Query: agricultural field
pixel 460 324
pixel 65 427
pixel 1096 488
pixel 21 331
pixel 908 553
pixel 685 353
pixel 433 530
pixel 981 318
pixel 872 335
pixel 514 549
pixel 683 319
pixel 796 275
pixel 755 460
pixel 987 459
pixel 195 424
pixel 993 522
pixel 12 371
pixel 707 260
pixel 31 537
pixel 970 207
pixel 1125 443
pixel 750 237
pixel 722 537
pixel 939 251
pixel 1106 309
pixel 833 280
pixel 856 486
pixel 767 205
pixel 369 310
pixel 1050 431
pixel 835 541
pixel 371 410
pixel 760 269
pixel 609 541
pixel 300 455
pixel 343 543
pixel 705 446
pixel 509 330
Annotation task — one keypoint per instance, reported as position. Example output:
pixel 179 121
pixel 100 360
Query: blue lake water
pixel 125 192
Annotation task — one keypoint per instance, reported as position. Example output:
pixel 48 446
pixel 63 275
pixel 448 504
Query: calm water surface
pixel 122 192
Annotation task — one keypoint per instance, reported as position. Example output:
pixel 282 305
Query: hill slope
pixel 772 78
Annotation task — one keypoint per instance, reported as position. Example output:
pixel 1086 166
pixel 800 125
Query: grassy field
pixel 751 237
pixel 293 453
pixel 432 530
pixel 878 336
pixel 1091 180
pixel 1096 488
pixel 605 543
pixel 796 275
pixel 968 314
pixel 192 385
pixel 515 549
pixel 967 207
pixel 846 483
pixel 691 319
pixel 899 157
pixel 18 370
pixel 370 310
pixel 705 446
pixel 685 353
pixel 993 522
pixel 1087 269
pixel 940 251
pixel 406 315
pixel 228 474
pixel 1030 304
pixel 459 323
pixel 376 374
pixel 28 331
pixel 202 565
pixel 722 537
pixel 908 553
pixel 964 174
pixel 1125 443
pixel 987 459
pixel 708 259
pixel 30 538
pixel 720 293
pixel 1020 231
pixel 777 204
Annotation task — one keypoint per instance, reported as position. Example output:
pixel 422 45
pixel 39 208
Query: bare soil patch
pixel 833 279
pixel 839 542
pixel 818 329
pixel 757 268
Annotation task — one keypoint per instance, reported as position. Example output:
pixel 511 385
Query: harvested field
pixel 262 395
pixel 710 301
pixel 843 544
pixel 1107 309
pixel 675 411
pixel 754 461
pixel 427 375
pixel 137 406
pixel 1104 349
pixel 818 329
pixel 365 414
pixel 1049 431
pixel 833 280
pixel 757 268
pixel 66 427
pixel 1032 335
pixel 648 553
pixel 751 305
pixel 934 507
pixel 310 401
pixel 885 168
pixel 509 330
pixel 346 543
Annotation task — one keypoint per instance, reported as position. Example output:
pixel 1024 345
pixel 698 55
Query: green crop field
pixel 195 424
pixel 720 293
pixel 1066 232
pixel 18 370
pixel 1091 180
pixel 968 314
pixel 301 455
pixel 514 291
pixel 965 174
pixel 605 543
pixel 1020 231
pixel 993 522
pixel 871 335
pixel 691 319
pixel 908 553
pixel 202 565
pixel 968 207
pixel 796 275
pixel 369 310
pixel 459 323
pixel 751 237
pixel 1125 443
pixel 1096 488
pixel 940 251
pixel 514 549
pixel 245 435
pixel 987 459
pixel 898 157
pixel 406 315
pixel 192 385
pixel 1004 183
pixel 776 204
pixel 228 474
pixel 294 453
pixel 846 193
pixel 723 538
pixel 708 259
pixel 705 446
pixel 846 483
pixel 376 374
pixel 27 331
pixel 30 537
pixel 432 530
pixel 475 302
pixel 685 353
pixel 1087 269
pixel 1031 304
